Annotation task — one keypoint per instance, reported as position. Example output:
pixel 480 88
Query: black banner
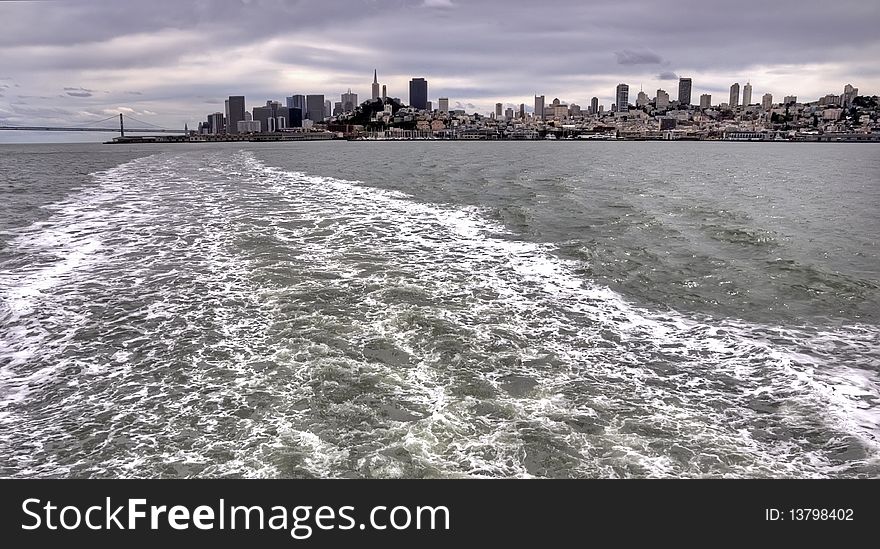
pixel 435 513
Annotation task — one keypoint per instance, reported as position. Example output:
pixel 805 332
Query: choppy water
pixel 440 309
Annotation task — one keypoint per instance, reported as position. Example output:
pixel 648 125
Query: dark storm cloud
pixel 479 52
pixel 629 57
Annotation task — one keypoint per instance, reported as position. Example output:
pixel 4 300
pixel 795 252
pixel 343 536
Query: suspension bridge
pixel 94 127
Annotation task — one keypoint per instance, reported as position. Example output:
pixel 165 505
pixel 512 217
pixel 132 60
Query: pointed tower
pixel 375 85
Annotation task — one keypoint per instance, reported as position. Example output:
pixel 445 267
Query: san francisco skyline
pixel 169 62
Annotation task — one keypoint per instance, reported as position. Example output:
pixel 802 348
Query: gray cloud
pixel 629 57
pixel 176 54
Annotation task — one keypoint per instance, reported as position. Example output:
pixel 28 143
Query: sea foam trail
pixel 227 318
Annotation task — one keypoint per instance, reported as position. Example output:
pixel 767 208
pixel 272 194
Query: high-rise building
pixel 375 84
pixel 642 99
pixel 418 93
pixel 662 100
pixel 315 107
pixel 297 102
pixel 328 108
pixel 429 106
pixel 594 105
pixel 384 93
pixel 443 104
pixel 684 91
pixel 790 99
pixel 236 112
pixel 349 101
pixel 539 107
pixel 264 116
pixel 217 123
pixel 734 96
pixel 499 107
pixel 705 101
pixel 747 94
pixel 522 110
pixel 337 108
pixel 849 93
pixel 294 118
pixel 508 113
pixel 622 95
pixel 767 102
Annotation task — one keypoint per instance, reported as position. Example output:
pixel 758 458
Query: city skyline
pixel 161 62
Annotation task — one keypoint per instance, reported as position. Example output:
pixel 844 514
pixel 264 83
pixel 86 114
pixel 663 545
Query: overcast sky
pixel 172 62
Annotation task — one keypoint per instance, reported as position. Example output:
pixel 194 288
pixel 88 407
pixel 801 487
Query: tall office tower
pixel 734 96
pixel 705 101
pixel 684 91
pixel 767 102
pixel 384 93
pixel 498 109
pixel 375 85
pixel 263 115
pixel 315 108
pixel 747 94
pixel 349 101
pixel 226 117
pixel 328 108
pixel 622 95
pixel 294 118
pixel 443 104
pixel 297 102
pixel 594 105
pixel 217 123
pixel 662 100
pixel 282 118
pixel 418 93
pixel 849 93
pixel 790 99
pixel 236 112
pixel 539 107
pixel 522 110
pixel 429 106
pixel 642 99
pixel 508 113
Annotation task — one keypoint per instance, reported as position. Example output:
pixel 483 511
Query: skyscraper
pixel 594 105
pixel 790 99
pixel 849 93
pixel 734 96
pixel 498 109
pixel 375 85
pixel 684 91
pixel 297 102
pixel 539 106
pixel 418 93
pixel 767 102
pixel 642 99
pixel 622 95
pixel 747 94
pixel 315 107
pixel 384 93
pixel 349 101
pixel 328 108
pixel 443 104
pixel 236 112
pixel 705 101
pixel 662 100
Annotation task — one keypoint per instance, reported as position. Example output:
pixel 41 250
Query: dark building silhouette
pixel 236 113
pixel 684 91
pixel 315 107
pixel 418 93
